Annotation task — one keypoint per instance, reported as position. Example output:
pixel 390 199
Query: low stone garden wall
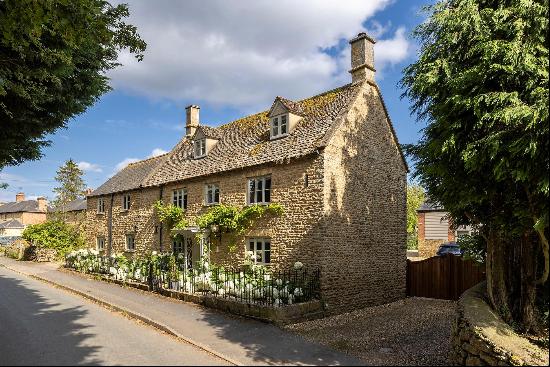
pixel 480 337
pixel 22 250
pixel 284 315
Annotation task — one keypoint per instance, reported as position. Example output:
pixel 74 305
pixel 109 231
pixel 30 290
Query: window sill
pixel 100 213
pixel 125 210
pixel 262 204
pixel 205 205
pixel 129 250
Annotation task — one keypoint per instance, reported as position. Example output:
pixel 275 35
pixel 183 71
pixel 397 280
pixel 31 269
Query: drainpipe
pixel 110 226
pixel 160 224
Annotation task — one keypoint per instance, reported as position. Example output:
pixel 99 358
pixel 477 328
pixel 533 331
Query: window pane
pixel 268 245
pixel 217 195
pixel 268 183
pixel 267 195
pixel 267 257
pixel 185 200
pixel 251 191
pixel 251 246
pixel 259 246
pixel 283 125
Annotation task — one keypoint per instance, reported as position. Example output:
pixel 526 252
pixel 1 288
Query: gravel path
pixel 411 332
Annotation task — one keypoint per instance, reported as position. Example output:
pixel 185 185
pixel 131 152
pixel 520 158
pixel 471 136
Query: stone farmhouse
pixel 15 216
pixel 332 161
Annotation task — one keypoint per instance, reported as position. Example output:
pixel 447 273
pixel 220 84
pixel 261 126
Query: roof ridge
pixel 281 97
pixel 146 159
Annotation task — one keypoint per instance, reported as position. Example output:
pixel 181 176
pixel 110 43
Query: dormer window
pixel 279 126
pixel 200 148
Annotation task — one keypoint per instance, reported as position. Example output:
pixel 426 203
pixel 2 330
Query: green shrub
pixel 56 235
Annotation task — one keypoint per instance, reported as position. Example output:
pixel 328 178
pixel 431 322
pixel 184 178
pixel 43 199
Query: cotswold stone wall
pixel 480 337
pixel 292 234
pixel 363 251
pixel 139 221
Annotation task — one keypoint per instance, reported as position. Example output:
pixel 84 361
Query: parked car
pixel 449 248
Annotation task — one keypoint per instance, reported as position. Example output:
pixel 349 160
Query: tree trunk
pixel 511 279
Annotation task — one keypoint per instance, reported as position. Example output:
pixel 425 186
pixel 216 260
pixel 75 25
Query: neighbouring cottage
pixel 73 213
pixel 15 216
pixel 332 161
pixel 434 228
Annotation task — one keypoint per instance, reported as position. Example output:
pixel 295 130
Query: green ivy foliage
pixel 171 215
pixel 231 219
pixel 54 234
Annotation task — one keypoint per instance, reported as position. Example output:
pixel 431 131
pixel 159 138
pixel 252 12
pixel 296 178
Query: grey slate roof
pixel 428 206
pixel 11 223
pixel 131 177
pixel 246 142
pixel 20 206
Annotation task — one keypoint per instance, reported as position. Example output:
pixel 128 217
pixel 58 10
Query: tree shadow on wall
pixel 37 331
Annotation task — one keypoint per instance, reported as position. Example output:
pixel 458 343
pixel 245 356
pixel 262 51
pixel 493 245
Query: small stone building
pixel 332 161
pixel 435 228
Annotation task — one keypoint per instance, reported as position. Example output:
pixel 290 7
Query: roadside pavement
pixel 236 339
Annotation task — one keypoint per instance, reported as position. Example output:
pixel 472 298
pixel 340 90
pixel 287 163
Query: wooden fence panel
pixel 443 277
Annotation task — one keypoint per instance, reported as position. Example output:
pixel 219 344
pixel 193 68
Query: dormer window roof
pixel 284 115
pixel 203 141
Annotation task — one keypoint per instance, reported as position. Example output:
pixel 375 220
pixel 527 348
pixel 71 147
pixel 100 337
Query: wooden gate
pixel 444 277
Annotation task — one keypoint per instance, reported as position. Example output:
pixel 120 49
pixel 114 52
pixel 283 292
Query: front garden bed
pixel 281 296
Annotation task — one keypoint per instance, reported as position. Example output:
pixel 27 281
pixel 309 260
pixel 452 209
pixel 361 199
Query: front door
pixel 189 247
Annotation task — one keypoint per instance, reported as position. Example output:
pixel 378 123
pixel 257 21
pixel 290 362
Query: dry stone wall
pixel 481 338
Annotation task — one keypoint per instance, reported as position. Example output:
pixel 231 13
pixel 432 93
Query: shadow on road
pixel 36 331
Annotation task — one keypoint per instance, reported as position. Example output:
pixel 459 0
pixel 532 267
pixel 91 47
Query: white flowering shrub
pixel 252 284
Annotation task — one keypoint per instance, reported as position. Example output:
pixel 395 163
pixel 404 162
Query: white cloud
pixel 89 167
pixel 157 152
pixel 124 163
pixel 242 54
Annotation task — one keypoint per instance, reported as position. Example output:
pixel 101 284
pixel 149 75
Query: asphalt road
pixel 43 325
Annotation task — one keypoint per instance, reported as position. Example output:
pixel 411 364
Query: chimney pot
pixel 192 121
pixel 362 58
pixel 20 196
pixel 88 191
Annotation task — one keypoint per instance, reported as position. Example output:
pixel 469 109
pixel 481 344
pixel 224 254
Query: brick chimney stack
pixel 192 119
pixel 20 196
pixel 88 191
pixel 362 58
pixel 42 203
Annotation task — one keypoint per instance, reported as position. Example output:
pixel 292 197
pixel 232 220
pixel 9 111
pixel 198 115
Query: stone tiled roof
pixel 246 142
pixel 75 205
pixel 12 223
pixel 291 106
pixel 133 176
pixel 20 206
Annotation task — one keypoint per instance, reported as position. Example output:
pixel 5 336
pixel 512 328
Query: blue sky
pixel 232 60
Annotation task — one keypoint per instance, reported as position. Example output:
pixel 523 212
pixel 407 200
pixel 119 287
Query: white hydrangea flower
pixel 154 253
pixel 298 265
pixel 279 282
pixel 290 299
pixel 298 292
pixel 277 302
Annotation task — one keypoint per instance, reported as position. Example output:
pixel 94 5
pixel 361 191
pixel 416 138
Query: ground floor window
pixel 100 243
pixel 130 242
pixel 261 247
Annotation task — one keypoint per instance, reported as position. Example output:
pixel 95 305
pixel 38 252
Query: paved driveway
pixel 413 332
